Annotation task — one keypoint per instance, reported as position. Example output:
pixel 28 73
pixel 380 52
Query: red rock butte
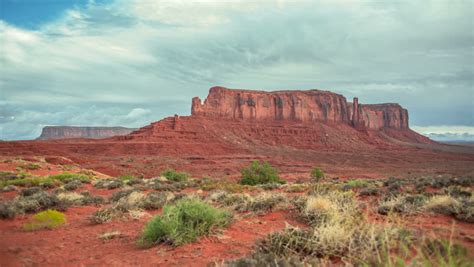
pixel 232 119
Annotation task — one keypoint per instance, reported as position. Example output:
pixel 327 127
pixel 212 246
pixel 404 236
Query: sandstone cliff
pixel 299 106
pixel 67 132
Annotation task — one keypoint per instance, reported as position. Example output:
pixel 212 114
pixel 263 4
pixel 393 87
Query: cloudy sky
pixel 131 62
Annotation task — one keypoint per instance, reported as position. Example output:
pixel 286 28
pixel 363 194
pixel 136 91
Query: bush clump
pixel 183 222
pixel 48 219
pixel 404 204
pixel 175 176
pixel 317 174
pixel 108 184
pixel 260 173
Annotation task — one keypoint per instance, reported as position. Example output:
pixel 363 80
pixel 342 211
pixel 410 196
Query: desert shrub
pixel 32 181
pixel 229 187
pixel 108 184
pixel 131 201
pixel 443 204
pixel 105 215
pixel 226 199
pixel 5 176
pixel 183 222
pixel 82 199
pixel 263 202
pixel 48 219
pixel 327 206
pixel 156 200
pixel 37 202
pixel 359 243
pixel 66 177
pixel 9 188
pixel 175 176
pixel 464 181
pixel 260 173
pixel 457 191
pixel 90 199
pixel 369 191
pixel 120 194
pixel 296 188
pixel 405 204
pixel 317 174
pixel 355 184
pixel 7 210
pixel 47 181
pixel 269 186
pixel 30 191
pixel 466 211
pixel 30 166
pixel 440 182
pixel 72 185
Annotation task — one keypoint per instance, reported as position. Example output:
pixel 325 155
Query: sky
pixel 131 62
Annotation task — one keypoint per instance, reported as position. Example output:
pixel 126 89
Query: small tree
pixel 260 173
pixel 317 174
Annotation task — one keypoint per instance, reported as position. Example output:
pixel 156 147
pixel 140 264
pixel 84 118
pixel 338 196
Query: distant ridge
pixel 68 132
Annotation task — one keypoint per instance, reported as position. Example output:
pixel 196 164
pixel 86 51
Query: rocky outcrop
pixel 298 106
pixel 303 106
pixel 67 132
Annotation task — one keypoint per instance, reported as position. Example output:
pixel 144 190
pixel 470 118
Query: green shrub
pixel 175 176
pixel 48 219
pixel 260 173
pixel 183 222
pixel 317 174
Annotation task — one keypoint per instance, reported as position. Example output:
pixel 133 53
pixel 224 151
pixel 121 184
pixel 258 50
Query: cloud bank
pixel 129 63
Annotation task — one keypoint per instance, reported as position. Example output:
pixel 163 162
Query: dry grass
pixel 443 204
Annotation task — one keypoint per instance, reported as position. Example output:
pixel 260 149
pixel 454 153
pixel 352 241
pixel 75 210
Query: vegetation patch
pixel 260 173
pixel 404 204
pixel 175 176
pixel 183 222
pixel 317 174
pixel 48 219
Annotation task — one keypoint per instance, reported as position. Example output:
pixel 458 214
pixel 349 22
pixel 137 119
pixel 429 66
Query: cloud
pixel 447 132
pixel 147 59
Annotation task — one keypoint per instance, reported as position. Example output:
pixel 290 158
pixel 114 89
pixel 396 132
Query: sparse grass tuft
pixel 183 222
pixel 48 219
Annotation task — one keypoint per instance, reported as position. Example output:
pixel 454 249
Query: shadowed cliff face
pixel 300 106
pixel 67 132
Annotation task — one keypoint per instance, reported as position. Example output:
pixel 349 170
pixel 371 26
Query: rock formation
pixel 67 132
pixel 299 106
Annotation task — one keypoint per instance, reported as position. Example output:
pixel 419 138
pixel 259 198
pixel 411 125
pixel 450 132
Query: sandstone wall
pixel 304 106
pixel 67 132
pixel 300 106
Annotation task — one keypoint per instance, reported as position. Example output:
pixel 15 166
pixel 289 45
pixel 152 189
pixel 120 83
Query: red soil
pixel 78 243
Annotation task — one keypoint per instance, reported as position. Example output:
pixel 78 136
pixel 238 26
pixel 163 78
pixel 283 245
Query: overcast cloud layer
pixel 128 63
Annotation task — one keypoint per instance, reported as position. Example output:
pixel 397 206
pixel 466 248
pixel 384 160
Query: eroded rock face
pixel 67 132
pixel 299 106
pixel 304 106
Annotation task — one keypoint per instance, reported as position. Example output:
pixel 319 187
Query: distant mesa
pixel 69 132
